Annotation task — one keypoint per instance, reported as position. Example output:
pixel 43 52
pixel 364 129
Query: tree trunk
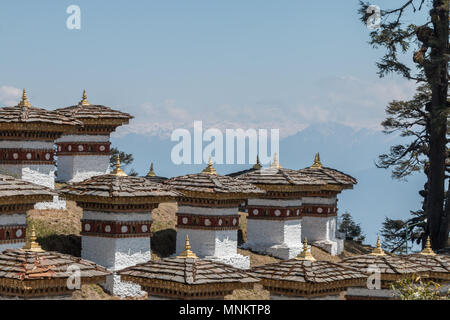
pixel 437 75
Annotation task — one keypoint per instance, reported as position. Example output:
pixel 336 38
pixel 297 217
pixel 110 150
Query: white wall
pixel 218 243
pixel 43 175
pixel 79 168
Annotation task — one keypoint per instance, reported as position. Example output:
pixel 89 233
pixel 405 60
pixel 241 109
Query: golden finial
pixel 305 254
pixel 209 168
pixel 427 251
pixel 31 244
pixel 257 165
pixel 187 253
pixel 317 163
pixel 275 163
pixel 24 102
pixel 84 102
pixel 117 170
pixel 151 173
pixel 378 251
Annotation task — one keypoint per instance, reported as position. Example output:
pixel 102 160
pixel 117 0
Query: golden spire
pixel 317 163
pixel 118 171
pixel 31 244
pixel 151 173
pixel 84 102
pixel 305 254
pixel 24 102
pixel 187 253
pixel 427 251
pixel 275 163
pixel 209 168
pixel 257 165
pixel 378 251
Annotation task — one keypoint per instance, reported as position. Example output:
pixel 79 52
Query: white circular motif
pixel 80 148
pixel 234 221
pixel 207 222
pixel 18 233
pixel 319 210
pixel 102 148
pixel 47 156
pixel 298 211
pixel 87 227
pixel 124 229
pixel 255 212
pixel 243 204
pixel 220 222
pixel 69 148
pixel 15 156
pixel 288 212
pixel 329 210
pixel 108 228
pixel 185 220
pixel 59 148
pixel 28 156
pixel 277 212
pixel 144 228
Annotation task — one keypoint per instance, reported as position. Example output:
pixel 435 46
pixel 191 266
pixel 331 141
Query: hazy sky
pixel 271 64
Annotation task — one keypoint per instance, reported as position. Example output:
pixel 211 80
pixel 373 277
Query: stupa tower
pixel 27 137
pixel 208 214
pixel 86 152
pixel 117 220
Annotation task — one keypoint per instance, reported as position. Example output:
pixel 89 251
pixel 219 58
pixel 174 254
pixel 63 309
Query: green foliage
pixel 416 289
pixel 350 228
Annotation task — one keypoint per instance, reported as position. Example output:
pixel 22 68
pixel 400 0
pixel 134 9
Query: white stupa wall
pixel 117 253
pixel 76 168
pixel 217 245
pixel 322 230
pixel 278 237
pixel 16 219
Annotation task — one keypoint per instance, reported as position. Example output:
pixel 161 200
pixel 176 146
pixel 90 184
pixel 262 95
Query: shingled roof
pixel 210 183
pixel 85 111
pixel 438 265
pixel 187 277
pixel 390 267
pixel 304 276
pixel 23 116
pixel 33 272
pixel 328 175
pixel 14 190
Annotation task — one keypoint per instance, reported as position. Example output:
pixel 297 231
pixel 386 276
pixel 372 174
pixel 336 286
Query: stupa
pixel 187 277
pixel 319 206
pixel 304 278
pixel 387 268
pixel 86 152
pixel 151 175
pixel 116 221
pixel 32 273
pixel 27 137
pixel 208 213
pixel 16 198
pixel 275 218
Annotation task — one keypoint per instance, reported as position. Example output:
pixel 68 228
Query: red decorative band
pixel 13 233
pixel 194 221
pixel 37 156
pixel 83 148
pixel 319 210
pixel 274 213
pixel 116 229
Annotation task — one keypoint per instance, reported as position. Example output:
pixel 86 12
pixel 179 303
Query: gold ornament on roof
pixel 275 164
pixel 257 165
pixel 118 170
pixel 151 173
pixel 305 254
pixel 378 251
pixel 187 253
pixel 24 102
pixel 317 163
pixel 428 251
pixel 84 102
pixel 31 244
pixel 209 168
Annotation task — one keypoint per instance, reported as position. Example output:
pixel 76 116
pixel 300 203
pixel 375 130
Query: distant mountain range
pixel 341 147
